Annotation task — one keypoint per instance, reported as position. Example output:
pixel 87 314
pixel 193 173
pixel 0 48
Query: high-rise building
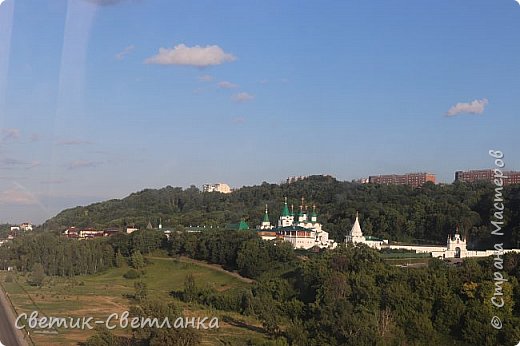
pixel 219 187
pixel 513 177
pixel 412 179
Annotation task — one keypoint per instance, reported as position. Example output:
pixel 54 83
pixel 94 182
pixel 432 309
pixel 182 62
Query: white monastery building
pixel 303 230
pixel 456 245
pixel 356 236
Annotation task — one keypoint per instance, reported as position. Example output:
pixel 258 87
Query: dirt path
pixel 216 267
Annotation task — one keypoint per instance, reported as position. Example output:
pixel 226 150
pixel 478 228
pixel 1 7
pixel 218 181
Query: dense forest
pixel 350 296
pixel 61 256
pixel 346 296
pixel 397 213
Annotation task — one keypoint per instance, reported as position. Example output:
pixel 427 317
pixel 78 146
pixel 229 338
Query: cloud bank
pixel 191 56
pixel 473 107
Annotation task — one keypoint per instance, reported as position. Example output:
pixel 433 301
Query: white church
pixel 356 236
pixel 303 230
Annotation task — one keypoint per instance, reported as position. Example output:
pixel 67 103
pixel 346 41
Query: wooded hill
pixel 397 213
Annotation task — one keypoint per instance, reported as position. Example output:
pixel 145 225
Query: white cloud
pixel 1 1
pixel 192 56
pixel 206 78
pixel 473 107
pixel 242 97
pixel 227 85
pixel 10 134
pixel 122 54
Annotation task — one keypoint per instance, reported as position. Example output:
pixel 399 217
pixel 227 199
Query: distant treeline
pixel 398 213
pixel 243 251
pixel 61 256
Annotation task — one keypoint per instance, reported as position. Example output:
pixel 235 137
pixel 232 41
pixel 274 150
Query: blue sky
pixel 100 98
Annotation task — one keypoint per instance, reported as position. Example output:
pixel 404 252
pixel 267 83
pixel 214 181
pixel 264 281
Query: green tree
pixel 103 337
pixel 37 276
pixel 190 288
pixel 119 260
pixel 153 308
pixel 141 290
pixel 269 313
pixel 137 260
pixel 253 258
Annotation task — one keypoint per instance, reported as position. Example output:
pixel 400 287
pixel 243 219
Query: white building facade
pixel 218 187
pixel 355 236
pixel 456 247
pixel 303 230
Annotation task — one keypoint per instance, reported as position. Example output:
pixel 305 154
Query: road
pixel 9 336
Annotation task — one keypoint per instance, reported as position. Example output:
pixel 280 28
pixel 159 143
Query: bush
pixel 137 260
pixel 37 275
pixel 132 274
pixel 9 278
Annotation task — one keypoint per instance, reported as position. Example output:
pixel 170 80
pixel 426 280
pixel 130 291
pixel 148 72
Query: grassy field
pixel 103 294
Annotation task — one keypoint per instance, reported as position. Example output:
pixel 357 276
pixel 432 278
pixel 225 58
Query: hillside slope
pixel 393 212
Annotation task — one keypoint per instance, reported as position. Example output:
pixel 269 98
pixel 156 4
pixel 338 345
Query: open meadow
pixel 101 295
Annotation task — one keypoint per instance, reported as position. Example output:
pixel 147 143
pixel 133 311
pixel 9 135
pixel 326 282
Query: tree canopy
pixel 398 213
